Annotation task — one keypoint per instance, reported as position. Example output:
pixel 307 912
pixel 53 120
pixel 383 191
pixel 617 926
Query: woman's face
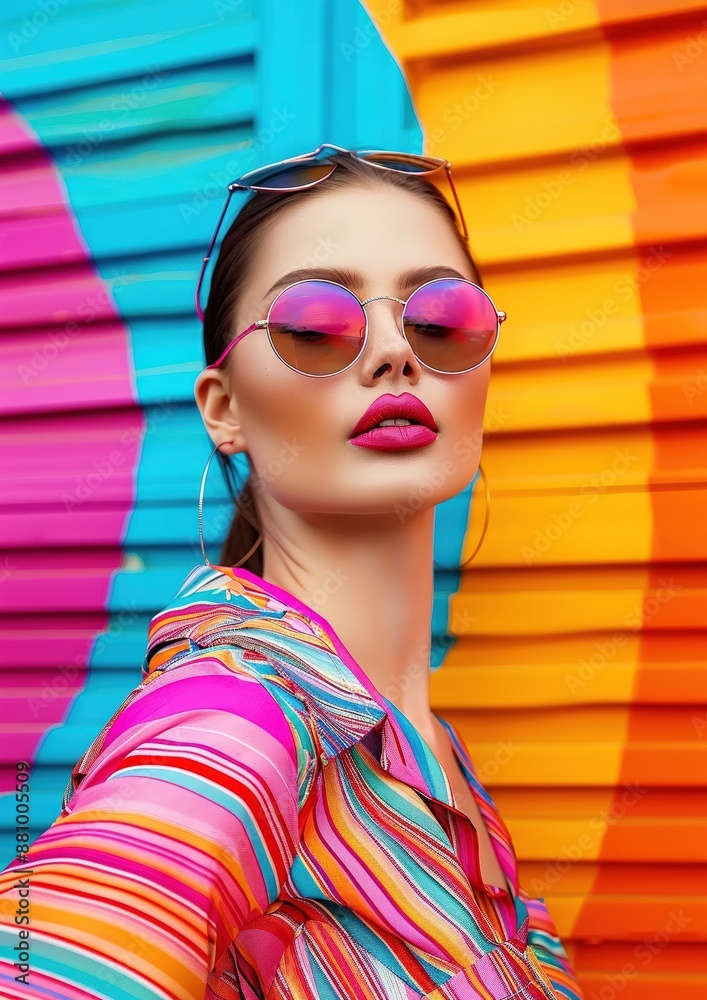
pixel 296 428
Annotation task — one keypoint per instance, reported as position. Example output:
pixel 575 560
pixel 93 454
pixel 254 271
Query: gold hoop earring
pixel 487 494
pixel 200 509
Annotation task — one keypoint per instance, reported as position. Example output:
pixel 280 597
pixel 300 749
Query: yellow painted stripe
pixel 607 459
pixel 567 311
pixel 548 612
pixel 445 31
pixel 604 673
pixel 466 108
pixel 535 212
pixel 592 395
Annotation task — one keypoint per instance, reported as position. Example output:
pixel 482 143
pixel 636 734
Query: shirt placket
pixel 398 760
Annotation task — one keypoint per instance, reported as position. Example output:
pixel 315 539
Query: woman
pixel 276 811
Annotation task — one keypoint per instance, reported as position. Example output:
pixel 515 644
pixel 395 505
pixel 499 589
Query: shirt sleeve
pixel 182 829
pixel 545 942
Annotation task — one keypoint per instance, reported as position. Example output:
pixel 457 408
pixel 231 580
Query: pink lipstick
pixel 420 429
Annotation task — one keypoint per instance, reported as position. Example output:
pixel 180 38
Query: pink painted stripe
pixel 71 461
pixel 64 347
pixel 63 583
pixel 45 240
pixel 65 368
pixel 77 296
pixel 31 186
pixel 16 136
pixel 36 705
pixel 99 526
pixel 30 648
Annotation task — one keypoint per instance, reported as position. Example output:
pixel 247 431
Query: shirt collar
pixel 221 605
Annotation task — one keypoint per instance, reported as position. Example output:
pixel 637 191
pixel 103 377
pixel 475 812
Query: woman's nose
pixel 387 316
pixel 382 344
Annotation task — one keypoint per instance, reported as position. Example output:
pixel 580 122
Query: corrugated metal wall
pixel 578 135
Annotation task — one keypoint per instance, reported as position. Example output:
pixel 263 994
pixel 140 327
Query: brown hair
pixel 231 271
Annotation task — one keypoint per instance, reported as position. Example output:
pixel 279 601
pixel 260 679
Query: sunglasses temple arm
pixel 199 310
pixel 458 203
pixel 253 326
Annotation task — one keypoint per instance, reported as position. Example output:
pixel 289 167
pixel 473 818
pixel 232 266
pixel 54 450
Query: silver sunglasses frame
pixel 265 324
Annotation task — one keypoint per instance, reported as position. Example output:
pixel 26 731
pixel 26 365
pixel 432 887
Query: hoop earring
pixel 487 493
pixel 200 507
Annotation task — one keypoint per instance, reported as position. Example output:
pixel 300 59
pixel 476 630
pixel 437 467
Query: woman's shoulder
pixel 221 622
pixel 230 695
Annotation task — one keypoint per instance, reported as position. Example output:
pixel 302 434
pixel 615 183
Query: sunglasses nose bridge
pixel 374 297
pixel 393 298
pixel 398 320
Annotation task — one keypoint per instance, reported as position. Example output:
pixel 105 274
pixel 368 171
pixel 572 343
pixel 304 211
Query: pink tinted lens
pixel 452 325
pixel 317 327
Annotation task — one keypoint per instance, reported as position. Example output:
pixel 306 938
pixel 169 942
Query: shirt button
pixel 324 759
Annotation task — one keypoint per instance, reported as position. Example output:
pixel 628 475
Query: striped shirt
pixel 256 820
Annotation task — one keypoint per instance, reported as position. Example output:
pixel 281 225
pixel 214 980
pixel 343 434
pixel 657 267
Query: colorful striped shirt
pixel 257 821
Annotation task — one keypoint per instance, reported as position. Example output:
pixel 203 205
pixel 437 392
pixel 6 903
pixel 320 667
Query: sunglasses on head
pixel 319 327
pixel 299 172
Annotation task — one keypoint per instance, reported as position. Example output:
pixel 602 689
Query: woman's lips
pixel 394 437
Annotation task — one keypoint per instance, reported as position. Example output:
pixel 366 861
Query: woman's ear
pixel 219 411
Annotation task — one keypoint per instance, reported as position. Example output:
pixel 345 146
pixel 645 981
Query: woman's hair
pixel 231 271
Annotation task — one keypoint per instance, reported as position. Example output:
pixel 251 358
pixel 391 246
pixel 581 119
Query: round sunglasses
pixel 320 328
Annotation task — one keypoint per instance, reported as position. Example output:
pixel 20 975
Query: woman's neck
pixel 376 591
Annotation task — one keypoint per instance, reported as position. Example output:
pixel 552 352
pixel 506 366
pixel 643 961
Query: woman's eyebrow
pixel 355 280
